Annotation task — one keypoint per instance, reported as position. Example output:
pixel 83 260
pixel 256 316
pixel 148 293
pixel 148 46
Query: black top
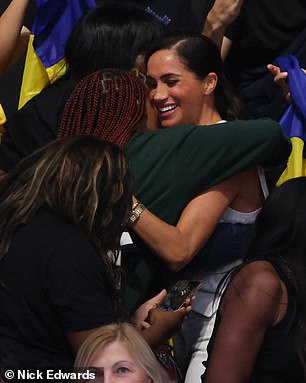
pixel 176 14
pixel 35 124
pixel 277 360
pixel 54 283
pixel 264 31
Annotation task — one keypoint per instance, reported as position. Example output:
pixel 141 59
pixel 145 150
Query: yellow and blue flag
pixel 294 119
pixel 46 50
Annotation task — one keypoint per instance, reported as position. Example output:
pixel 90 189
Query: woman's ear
pixel 210 83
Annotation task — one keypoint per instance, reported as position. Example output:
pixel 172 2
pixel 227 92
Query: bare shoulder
pixel 258 288
pixel 258 275
pixel 258 272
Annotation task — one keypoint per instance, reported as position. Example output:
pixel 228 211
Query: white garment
pixel 195 333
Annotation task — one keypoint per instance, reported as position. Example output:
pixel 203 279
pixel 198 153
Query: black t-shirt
pixel 55 283
pixel 263 30
pixel 35 124
pixel 177 14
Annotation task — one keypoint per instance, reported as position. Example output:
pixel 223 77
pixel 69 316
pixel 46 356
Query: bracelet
pixel 137 210
pixel 135 204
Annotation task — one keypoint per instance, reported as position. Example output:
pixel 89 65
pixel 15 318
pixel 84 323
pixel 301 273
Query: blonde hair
pixel 136 345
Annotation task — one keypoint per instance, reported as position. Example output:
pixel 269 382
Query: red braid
pixel 109 104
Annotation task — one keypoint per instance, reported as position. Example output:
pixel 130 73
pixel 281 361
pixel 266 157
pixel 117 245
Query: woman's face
pixel 119 365
pixel 175 92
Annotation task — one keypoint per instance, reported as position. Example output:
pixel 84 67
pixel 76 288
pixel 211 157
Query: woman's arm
pixel 160 326
pixel 13 36
pixel 177 245
pixel 251 304
pixel 219 17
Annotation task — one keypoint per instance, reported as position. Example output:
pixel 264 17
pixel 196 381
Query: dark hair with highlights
pixel 83 180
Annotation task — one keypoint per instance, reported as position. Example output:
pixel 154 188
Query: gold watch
pixel 136 212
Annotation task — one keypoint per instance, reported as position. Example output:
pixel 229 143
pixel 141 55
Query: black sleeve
pixel 234 30
pixel 77 284
pixel 30 15
pixel 33 125
pixel 183 17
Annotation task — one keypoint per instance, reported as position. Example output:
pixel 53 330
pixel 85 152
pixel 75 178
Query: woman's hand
pixel 163 324
pixel 281 79
pixel 142 313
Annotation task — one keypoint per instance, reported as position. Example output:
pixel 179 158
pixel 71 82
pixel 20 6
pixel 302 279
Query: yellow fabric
pixel 2 119
pixel 36 76
pixel 296 166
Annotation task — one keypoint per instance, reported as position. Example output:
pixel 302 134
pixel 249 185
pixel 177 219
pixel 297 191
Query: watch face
pixel 133 217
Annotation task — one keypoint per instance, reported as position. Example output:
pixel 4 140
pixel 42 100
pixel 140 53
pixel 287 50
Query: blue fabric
pixel 226 245
pixel 53 24
pixel 294 119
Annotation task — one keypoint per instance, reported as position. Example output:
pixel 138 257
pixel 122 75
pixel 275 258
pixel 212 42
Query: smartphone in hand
pixel 178 294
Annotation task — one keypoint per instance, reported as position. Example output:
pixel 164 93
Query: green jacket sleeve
pixel 173 165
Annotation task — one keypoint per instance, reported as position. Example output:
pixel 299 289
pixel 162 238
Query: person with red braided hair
pixel 170 166
pixel 108 105
pixel 112 35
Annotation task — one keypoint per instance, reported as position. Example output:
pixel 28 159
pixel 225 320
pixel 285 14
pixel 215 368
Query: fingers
pixel 273 69
pixel 143 325
pixel 276 72
pixel 157 298
pixel 161 296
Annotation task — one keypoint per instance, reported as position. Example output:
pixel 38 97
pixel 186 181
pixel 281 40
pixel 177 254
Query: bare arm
pixel 163 324
pixel 225 47
pixel 13 36
pixel 249 307
pixel 177 245
pixel 219 17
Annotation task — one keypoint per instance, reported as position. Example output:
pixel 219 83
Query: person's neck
pixel 209 113
pixel 210 117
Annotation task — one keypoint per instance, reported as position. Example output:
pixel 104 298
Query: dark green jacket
pixel 173 165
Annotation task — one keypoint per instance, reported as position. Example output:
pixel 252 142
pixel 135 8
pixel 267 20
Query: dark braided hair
pixel 108 104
